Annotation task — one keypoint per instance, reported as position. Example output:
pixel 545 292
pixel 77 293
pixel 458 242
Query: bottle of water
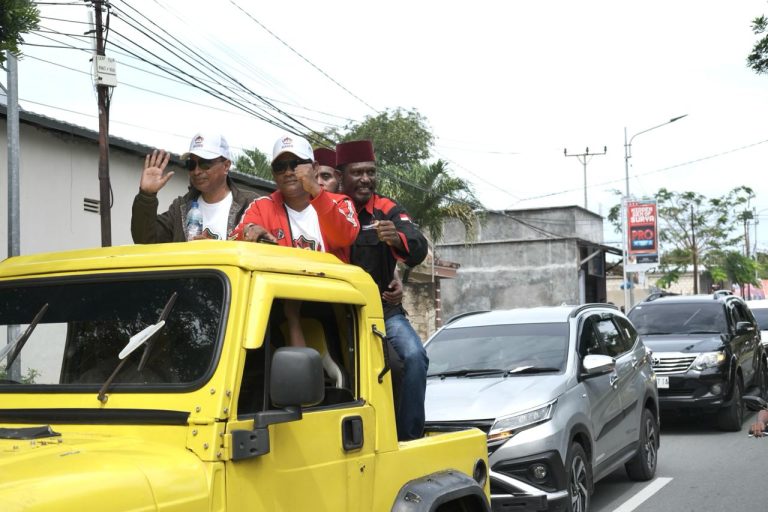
pixel 194 221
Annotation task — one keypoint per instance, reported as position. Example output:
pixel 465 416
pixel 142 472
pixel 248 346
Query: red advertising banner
pixel 643 240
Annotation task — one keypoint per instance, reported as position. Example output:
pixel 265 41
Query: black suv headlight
pixel 708 360
pixel 507 426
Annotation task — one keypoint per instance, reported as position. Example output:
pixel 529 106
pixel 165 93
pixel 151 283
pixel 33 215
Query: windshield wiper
pixel 533 369
pixel 653 333
pixel 467 372
pixel 16 345
pixel 137 340
pixel 703 332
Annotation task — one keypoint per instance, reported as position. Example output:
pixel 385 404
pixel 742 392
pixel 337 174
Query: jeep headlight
pixel 708 360
pixel 507 426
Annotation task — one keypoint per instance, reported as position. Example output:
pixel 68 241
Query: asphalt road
pixel 700 469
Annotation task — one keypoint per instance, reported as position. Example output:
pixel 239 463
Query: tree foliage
pixel 758 57
pixel 17 17
pixel 255 163
pixel 402 141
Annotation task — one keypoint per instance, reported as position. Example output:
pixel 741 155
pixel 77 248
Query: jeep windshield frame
pixel 90 319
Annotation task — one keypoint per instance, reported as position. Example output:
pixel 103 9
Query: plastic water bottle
pixel 194 221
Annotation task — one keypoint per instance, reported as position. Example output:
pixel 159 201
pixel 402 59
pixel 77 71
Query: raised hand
pixel 152 178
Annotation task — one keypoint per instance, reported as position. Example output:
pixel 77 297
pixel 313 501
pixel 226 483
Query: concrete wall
pixel 511 274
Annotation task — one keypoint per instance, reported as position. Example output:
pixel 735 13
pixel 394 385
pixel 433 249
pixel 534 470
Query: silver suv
pixel 566 395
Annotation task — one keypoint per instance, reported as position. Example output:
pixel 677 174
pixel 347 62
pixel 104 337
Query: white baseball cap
pixel 208 146
pixel 295 145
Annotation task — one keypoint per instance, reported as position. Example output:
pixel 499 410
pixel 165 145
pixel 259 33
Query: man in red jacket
pixel 300 213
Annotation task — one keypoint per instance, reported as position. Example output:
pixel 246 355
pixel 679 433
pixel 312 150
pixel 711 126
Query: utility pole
pixel 14 219
pixel 584 158
pixel 103 94
pixel 695 254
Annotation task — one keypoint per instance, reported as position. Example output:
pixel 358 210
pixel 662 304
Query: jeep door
pixel 602 393
pixel 325 459
pixel 744 345
pixel 633 369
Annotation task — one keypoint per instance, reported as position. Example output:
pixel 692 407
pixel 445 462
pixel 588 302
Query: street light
pixel 627 156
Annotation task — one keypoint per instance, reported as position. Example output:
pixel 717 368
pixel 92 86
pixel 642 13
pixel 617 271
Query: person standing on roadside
pixel 220 201
pixel 387 235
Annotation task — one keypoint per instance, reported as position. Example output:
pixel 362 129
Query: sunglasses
pixel 283 165
pixel 204 165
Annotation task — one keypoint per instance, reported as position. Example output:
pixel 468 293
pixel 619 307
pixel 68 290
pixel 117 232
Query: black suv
pixel 706 352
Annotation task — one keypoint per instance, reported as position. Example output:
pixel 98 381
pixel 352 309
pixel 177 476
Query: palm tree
pixel 432 195
pixel 255 163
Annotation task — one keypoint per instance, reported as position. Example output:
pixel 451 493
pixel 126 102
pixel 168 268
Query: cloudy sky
pixel 506 86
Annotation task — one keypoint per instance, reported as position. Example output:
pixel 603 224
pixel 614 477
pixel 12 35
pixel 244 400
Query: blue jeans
pixel 409 411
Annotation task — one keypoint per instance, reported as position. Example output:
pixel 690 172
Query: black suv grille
pixel 664 364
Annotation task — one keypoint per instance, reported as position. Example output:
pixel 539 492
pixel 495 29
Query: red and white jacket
pixel 339 226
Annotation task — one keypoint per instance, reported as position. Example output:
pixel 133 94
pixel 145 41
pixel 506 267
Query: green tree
pixel 255 163
pixel 403 141
pixel 17 17
pixel 736 267
pixel 758 58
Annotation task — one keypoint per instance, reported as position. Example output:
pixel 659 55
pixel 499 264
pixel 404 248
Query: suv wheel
pixel 579 479
pixel 642 466
pixel 730 418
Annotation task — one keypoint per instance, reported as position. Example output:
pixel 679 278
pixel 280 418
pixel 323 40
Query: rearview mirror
pixel 594 364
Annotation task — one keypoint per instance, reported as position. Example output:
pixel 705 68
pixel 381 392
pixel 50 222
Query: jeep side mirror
pixel 595 364
pixel 744 328
pixel 296 380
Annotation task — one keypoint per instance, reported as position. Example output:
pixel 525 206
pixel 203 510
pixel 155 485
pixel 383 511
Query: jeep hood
pixel 693 343
pixel 462 398
pixel 85 472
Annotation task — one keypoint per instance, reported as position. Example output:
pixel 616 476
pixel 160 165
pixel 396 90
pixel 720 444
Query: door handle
pixel 352 433
pixel 614 381
pixel 635 362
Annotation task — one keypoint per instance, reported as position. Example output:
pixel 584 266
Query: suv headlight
pixel 507 426
pixel 708 360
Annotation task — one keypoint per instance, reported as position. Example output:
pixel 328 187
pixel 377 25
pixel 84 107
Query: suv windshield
pixel 672 318
pixel 79 327
pixel 521 348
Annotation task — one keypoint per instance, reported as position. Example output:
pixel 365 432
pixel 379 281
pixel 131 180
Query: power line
pixel 304 58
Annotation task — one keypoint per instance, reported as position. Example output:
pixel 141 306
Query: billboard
pixel 643 239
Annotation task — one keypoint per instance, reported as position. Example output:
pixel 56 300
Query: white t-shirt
pixel 305 228
pixel 215 217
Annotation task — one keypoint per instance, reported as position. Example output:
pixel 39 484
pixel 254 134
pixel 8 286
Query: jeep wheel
pixel 579 479
pixel 731 417
pixel 642 466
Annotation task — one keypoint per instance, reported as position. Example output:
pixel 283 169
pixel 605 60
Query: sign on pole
pixel 643 239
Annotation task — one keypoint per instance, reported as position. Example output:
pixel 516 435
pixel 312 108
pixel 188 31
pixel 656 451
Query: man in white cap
pixel 220 201
pixel 300 213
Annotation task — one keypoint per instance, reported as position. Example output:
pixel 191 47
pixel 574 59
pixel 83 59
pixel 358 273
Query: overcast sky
pixel 505 85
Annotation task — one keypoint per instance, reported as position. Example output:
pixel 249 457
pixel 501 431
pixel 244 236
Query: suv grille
pixel 664 364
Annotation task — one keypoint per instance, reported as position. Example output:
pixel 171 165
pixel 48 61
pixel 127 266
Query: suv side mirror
pixel 594 365
pixel 744 328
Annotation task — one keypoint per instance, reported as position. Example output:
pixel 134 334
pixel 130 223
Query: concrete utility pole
pixel 584 158
pixel 103 103
pixel 14 223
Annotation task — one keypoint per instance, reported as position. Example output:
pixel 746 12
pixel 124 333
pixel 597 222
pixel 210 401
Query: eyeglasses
pixel 282 166
pixel 204 165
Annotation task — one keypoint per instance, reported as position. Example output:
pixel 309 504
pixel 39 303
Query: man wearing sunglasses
pixel 220 201
pixel 387 236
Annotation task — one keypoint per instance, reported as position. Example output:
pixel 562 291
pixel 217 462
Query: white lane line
pixel 648 491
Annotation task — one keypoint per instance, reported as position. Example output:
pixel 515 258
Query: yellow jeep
pixel 158 377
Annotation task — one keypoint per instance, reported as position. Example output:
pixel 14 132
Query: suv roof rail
pixel 656 295
pixel 591 305
pixel 462 315
pixel 721 293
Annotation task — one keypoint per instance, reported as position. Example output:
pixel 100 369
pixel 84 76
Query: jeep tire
pixel 579 471
pixel 731 417
pixel 642 466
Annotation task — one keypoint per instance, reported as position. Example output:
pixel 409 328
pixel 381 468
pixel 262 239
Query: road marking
pixel 648 491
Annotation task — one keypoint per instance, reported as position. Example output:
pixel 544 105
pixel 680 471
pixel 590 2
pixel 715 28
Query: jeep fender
pixel 428 493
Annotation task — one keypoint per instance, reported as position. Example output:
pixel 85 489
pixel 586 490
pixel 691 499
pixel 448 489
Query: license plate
pixel 662 382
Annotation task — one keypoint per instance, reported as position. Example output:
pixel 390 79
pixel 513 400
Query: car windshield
pixel 70 332
pixel 506 348
pixel 761 315
pixel 684 318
